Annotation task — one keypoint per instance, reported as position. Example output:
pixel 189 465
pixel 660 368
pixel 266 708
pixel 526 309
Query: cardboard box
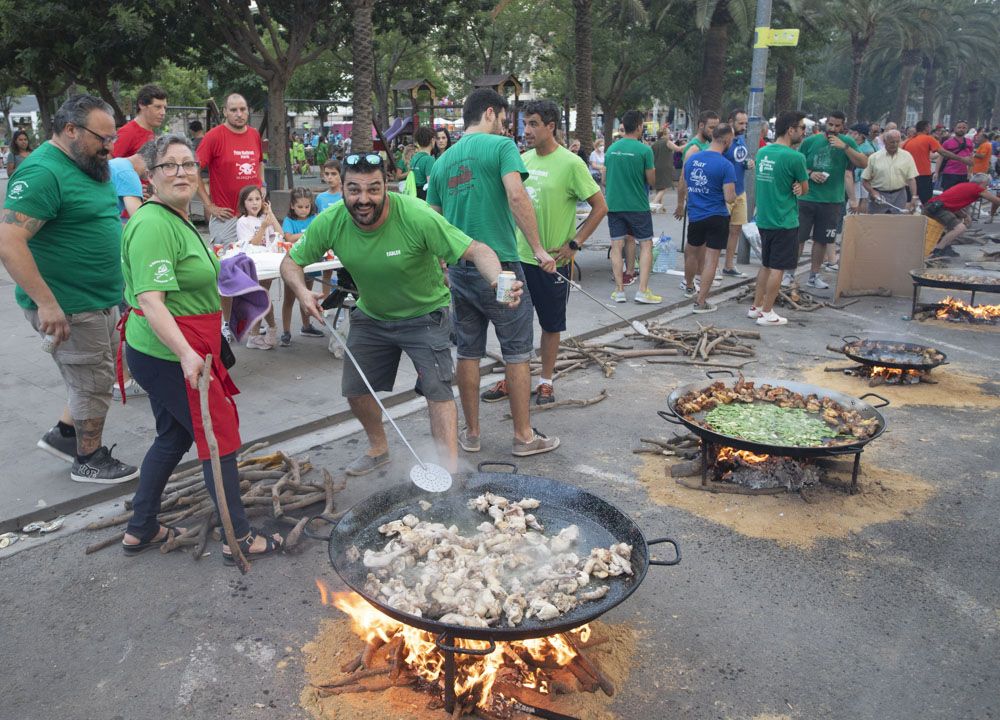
pixel 879 251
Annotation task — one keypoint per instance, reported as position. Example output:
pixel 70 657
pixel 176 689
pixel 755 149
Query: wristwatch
pixel 574 245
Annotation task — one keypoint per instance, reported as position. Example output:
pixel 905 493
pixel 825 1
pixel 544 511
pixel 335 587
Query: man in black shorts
pixel 781 177
pixel 711 184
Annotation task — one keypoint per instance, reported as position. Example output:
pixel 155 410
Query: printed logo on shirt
pixel 393 253
pixel 17 190
pixel 463 178
pixel 698 176
pixel 161 271
pixel 740 153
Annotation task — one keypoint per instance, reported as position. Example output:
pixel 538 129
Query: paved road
pixel 898 621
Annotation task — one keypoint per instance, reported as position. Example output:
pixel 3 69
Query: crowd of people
pixel 114 277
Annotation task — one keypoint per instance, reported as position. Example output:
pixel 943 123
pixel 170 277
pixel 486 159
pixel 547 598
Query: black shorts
pixel 637 224
pixel 378 344
pixel 712 231
pixel 819 219
pixel 548 296
pixel 779 248
pixel 925 188
pixel 951 179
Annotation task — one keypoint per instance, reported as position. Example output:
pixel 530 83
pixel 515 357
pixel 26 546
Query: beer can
pixel 505 286
pixel 49 343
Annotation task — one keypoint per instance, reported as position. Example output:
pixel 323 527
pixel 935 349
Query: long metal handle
pixel 368 385
pixel 577 286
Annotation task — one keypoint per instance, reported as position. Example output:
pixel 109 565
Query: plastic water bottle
pixel 663 255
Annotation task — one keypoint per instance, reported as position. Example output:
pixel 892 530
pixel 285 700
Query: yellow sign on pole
pixel 774 37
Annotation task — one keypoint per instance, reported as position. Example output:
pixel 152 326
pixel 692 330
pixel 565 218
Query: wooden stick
pixel 353 664
pixel 369 652
pixel 210 522
pixel 607 687
pixel 252 449
pixel 353 678
pixel 292 539
pixel 213 449
pixel 109 522
pixel 567 403
pixel 107 542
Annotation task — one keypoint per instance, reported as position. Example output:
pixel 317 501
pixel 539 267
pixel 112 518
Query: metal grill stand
pixel 708 448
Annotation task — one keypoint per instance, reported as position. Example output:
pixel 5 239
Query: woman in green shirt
pixel 171 286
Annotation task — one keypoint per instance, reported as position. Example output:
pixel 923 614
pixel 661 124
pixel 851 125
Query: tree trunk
pixel 930 90
pixel 785 84
pixel 858 48
pixel 713 62
pixel 971 103
pixel 608 126
pixel 381 81
pixel 908 67
pixel 45 110
pixel 104 90
pixel 277 127
pixel 362 60
pixel 995 116
pixel 582 27
pixel 956 97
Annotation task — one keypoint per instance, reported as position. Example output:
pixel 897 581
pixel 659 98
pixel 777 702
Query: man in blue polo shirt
pixel 711 186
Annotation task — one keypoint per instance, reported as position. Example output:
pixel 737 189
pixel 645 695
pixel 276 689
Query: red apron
pixel 203 335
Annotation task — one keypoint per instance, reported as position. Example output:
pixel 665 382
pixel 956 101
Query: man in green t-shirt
pixel 422 160
pixel 828 156
pixel 478 186
pixel 557 181
pixel 60 240
pixel 781 177
pixel 390 244
pixel 630 169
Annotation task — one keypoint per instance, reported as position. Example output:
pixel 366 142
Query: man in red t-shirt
pixel 232 154
pixel 947 206
pixel 151 110
pixel 920 146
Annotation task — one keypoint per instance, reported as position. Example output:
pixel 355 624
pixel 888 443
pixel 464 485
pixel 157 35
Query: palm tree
pixel 861 19
pixel 584 69
pixel 716 19
pixel 906 41
pixel 363 61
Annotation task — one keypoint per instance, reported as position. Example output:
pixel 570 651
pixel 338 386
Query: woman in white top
pixel 597 158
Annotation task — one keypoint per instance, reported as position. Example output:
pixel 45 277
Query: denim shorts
pixel 378 344
pixel 476 306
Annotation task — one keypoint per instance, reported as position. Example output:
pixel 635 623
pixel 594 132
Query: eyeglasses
pixel 366 159
pixel 172 168
pixel 105 140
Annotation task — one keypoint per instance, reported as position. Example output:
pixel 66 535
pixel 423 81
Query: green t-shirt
pixel 161 251
pixel 556 182
pixel 627 161
pixel 820 157
pixel 421 164
pixel 778 166
pixel 467 184
pixel 697 142
pixel 395 266
pixel 78 247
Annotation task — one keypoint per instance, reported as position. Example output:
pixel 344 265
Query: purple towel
pixel 238 280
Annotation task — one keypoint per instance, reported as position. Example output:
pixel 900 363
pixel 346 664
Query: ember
pixel 878 375
pixel 760 472
pixel 955 310
pixel 526 670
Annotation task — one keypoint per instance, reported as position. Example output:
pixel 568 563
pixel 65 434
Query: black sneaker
pixel 496 393
pixel 949 252
pixel 103 469
pixel 310 331
pixel 54 443
pixel 733 272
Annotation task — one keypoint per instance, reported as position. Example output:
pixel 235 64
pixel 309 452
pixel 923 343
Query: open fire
pixel 763 472
pixel 878 375
pixel 955 310
pixel 525 671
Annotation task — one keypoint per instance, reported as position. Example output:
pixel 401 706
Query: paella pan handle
pixel 670 416
pixel 714 373
pixel 677 551
pixel 875 395
pixel 848 338
pixel 442 643
pixel 312 533
pixel 496 463
pixel 843 451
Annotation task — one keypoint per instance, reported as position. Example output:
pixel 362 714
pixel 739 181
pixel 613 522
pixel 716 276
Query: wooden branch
pixel 213 449
pixel 567 403
pixel 107 542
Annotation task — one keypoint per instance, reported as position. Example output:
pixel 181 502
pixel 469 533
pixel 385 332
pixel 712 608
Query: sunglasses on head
pixel 364 159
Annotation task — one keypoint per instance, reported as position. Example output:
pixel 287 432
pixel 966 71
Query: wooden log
pixel 591 666
pixel 368 655
pixel 107 542
pixel 867 292
pixel 353 664
pixel 252 449
pixel 686 468
pixel 293 537
pixel 276 495
pixel 353 678
pixel 363 688
pixel 210 522
pixel 109 522
pixel 567 403
pixel 188 537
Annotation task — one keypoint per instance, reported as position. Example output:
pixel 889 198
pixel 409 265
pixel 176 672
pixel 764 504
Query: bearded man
pixel 60 240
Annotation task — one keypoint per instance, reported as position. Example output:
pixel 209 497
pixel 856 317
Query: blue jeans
pixel 164 381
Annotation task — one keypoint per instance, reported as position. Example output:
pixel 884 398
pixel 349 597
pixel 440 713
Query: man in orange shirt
pixel 920 147
pixel 984 153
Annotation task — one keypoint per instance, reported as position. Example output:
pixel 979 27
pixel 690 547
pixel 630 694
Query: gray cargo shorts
pixel 86 360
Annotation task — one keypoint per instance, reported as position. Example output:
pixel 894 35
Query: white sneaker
pixel 788 279
pixel 771 318
pixel 618 296
pixel 815 281
pixel 754 313
pixel 132 389
pixel 689 290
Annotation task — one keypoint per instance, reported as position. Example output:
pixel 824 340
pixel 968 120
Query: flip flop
pixel 246 543
pixel 141 547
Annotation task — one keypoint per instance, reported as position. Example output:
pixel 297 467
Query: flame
pixel 951 308
pixel 475 675
pixel 745 456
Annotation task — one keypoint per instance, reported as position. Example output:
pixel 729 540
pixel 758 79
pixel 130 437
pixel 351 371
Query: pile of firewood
pixel 699 344
pixel 270 485
pixel 381 665
pixel 575 355
pixel 683 446
pixel 793 298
